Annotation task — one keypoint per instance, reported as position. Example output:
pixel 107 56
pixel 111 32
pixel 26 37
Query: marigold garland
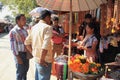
pixel 79 63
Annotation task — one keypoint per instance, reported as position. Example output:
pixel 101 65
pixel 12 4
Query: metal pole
pixel 70 33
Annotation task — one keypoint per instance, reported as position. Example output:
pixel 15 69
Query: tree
pixel 23 6
pixel 1 5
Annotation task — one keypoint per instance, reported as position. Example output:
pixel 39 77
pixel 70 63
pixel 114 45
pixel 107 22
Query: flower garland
pixel 80 63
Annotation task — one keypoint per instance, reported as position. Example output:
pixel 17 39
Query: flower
pixel 79 63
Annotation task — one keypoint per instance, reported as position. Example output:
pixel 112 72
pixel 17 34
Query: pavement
pixel 7 64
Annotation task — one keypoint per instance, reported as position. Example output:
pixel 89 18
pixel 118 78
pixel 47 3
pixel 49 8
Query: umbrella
pixel 70 5
pixel 36 11
pixel 77 5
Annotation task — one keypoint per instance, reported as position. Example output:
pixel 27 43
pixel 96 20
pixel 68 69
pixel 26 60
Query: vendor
pixel 89 43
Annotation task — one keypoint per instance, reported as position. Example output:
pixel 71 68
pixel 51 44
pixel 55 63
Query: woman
pixel 89 43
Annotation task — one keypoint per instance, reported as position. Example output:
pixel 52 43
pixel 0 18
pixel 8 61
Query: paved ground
pixel 7 66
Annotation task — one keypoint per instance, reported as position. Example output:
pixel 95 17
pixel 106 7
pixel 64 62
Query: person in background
pixel 57 38
pixel 89 43
pixel 39 44
pixel 82 30
pixel 34 22
pixel 17 38
pixel 97 28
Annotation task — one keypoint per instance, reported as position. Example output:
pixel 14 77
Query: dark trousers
pixel 21 69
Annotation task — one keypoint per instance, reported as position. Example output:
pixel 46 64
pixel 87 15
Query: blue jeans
pixel 42 72
pixel 21 72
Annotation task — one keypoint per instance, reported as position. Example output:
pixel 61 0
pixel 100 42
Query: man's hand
pixel 42 62
pixel 42 58
pixel 19 60
pixel 29 48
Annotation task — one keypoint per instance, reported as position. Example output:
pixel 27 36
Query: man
pixel 82 31
pixel 17 37
pixel 57 37
pixel 39 44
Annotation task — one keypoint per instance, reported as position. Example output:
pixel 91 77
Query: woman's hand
pixel 82 47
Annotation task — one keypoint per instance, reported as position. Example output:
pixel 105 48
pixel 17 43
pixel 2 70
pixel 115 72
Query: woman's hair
pixel 91 25
pixel 94 26
pixel 89 16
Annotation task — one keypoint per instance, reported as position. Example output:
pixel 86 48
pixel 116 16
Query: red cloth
pixel 56 38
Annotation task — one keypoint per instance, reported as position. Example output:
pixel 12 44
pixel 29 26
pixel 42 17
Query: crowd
pixel 46 40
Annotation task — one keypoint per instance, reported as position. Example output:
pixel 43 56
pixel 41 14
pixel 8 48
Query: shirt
pixel 57 39
pixel 88 44
pixel 40 38
pixel 58 29
pixel 17 37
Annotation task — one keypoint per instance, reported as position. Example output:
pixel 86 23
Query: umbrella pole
pixel 70 33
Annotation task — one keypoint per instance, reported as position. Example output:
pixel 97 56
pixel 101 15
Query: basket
pixel 82 76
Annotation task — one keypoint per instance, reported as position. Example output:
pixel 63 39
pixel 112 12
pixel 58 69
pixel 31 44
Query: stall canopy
pixel 71 6
pixel 64 5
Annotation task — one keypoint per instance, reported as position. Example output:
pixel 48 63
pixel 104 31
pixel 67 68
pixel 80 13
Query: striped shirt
pixel 17 37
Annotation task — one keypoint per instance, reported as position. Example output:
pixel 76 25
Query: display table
pixel 82 76
pixel 112 70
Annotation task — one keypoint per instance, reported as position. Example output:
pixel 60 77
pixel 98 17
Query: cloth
pixel 61 71
pixel 57 39
pixel 21 72
pixel 17 38
pixel 58 33
pixel 42 72
pixel 57 48
pixel 40 38
pixel 58 29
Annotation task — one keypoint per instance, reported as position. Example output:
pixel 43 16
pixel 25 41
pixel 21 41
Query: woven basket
pixel 82 76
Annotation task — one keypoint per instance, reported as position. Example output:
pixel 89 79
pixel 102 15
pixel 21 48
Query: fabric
pixel 61 70
pixel 42 72
pixel 57 38
pixel 21 72
pixel 40 38
pixel 17 38
pixel 77 5
pixel 57 48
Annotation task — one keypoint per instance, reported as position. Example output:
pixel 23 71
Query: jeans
pixel 21 72
pixel 42 72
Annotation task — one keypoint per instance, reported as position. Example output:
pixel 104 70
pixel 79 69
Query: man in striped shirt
pixel 17 38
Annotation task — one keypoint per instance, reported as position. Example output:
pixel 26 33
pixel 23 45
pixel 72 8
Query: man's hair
pixel 18 17
pixel 44 14
pixel 89 16
pixel 55 18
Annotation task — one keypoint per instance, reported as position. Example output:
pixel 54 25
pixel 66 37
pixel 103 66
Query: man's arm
pixel 46 43
pixel 28 43
pixel 29 48
pixel 13 43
